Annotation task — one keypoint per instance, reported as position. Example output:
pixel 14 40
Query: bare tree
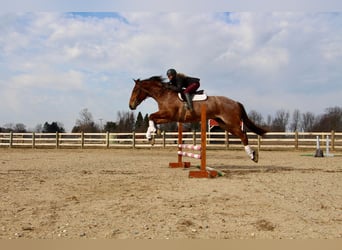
pixel 280 121
pixel 331 120
pixel 85 123
pixel 17 128
pixel 256 117
pixel 38 128
pixel 308 120
pixel 126 122
pixel 295 125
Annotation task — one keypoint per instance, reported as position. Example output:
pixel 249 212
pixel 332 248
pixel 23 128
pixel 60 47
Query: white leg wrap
pixel 151 123
pixel 151 129
pixel 249 151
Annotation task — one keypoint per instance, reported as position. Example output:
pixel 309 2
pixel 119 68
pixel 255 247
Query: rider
pixel 183 84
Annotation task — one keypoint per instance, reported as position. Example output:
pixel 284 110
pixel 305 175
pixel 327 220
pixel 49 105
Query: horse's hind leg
pixel 250 152
pixel 241 133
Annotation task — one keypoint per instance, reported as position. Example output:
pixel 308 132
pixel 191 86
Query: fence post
pixel 259 142
pixel 11 139
pixel 107 139
pixel 194 137
pixel 332 140
pixel 296 139
pixel 33 139
pixel 82 140
pixel 164 139
pixel 57 140
pixel 133 139
pixel 227 139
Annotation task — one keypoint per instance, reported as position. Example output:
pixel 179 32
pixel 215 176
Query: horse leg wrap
pixel 151 129
pixel 151 126
pixel 249 151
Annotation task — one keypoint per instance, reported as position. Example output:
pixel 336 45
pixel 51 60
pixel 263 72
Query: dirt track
pixel 132 194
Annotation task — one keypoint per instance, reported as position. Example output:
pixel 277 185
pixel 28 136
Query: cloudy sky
pixel 53 64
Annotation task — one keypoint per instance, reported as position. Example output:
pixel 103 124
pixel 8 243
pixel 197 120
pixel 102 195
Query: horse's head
pixel 137 96
pixel 144 89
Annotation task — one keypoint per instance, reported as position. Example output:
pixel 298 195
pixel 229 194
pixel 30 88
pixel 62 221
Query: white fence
pixel 272 140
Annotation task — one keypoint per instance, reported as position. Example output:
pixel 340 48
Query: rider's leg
pixel 187 93
pixel 189 101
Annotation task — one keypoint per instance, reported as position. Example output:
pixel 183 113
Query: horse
pixel 229 114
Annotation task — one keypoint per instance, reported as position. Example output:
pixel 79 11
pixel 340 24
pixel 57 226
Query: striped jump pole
pixel 180 163
pixel 204 172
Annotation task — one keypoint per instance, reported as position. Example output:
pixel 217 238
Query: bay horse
pixel 229 114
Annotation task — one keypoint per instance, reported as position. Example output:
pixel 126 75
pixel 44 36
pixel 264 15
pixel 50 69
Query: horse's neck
pixel 160 94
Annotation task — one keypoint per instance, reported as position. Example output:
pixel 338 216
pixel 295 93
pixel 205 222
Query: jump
pixel 229 114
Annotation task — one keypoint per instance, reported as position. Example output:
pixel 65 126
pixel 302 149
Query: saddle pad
pixel 197 97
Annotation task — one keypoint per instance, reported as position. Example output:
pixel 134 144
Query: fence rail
pixel 272 140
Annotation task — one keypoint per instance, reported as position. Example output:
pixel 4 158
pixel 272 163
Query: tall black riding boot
pixel 189 101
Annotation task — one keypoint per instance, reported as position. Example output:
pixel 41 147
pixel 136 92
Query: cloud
pixel 69 61
pixel 69 80
pixel 175 5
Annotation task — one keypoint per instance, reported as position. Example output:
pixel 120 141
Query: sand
pixel 133 194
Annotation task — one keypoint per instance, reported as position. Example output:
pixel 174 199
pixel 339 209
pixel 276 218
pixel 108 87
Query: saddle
pixel 198 96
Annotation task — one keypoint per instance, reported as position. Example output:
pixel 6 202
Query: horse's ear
pixel 136 81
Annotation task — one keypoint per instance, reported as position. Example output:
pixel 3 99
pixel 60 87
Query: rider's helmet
pixel 171 72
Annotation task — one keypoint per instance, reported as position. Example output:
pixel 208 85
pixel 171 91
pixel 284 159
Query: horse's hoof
pixel 255 157
pixel 151 141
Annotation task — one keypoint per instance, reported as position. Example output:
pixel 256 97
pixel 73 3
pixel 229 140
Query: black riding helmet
pixel 171 72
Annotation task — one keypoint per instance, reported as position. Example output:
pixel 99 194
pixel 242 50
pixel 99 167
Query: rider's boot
pixel 189 101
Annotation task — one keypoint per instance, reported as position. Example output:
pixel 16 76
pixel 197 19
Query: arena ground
pixel 132 194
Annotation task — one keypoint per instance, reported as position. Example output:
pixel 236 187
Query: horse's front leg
pixel 154 120
pixel 151 129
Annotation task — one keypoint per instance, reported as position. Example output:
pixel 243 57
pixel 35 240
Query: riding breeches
pixel 192 88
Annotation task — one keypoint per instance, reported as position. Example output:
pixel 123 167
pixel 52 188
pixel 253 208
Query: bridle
pixel 140 89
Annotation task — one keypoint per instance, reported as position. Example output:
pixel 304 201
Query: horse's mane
pixel 157 78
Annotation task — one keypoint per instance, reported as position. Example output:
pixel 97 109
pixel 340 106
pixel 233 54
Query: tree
pixel 20 128
pixel 256 117
pixel 126 122
pixel 331 120
pixel 110 127
pixel 85 123
pixel 308 120
pixel 295 125
pixel 280 121
pixel 269 122
pixel 16 128
pixel 38 128
pixel 53 127
pixel 171 126
pixel 146 120
pixel 140 124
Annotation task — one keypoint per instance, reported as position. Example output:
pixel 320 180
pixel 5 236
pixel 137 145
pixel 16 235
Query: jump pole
pixel 204 172
pixel 180 163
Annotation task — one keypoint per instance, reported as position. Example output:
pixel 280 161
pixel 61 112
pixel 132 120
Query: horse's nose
pixel 132 107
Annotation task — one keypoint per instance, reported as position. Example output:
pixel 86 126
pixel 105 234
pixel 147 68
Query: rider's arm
pixel 169 85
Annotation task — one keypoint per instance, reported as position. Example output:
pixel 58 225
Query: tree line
pixel 126 122
pixel 284 121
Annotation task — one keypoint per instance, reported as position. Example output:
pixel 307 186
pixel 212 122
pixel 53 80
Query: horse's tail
pixel 254 128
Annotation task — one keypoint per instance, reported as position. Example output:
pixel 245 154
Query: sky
pixel 56 62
